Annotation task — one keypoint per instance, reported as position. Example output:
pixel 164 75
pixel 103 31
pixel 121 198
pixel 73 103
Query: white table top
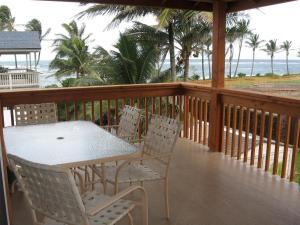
pixel 68 144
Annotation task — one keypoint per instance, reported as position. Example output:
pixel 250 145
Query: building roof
pixel 17 42
pixel 202 5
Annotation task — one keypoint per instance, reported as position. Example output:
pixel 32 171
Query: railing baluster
pixel 84 110
pixel 234 131
pixel 179 99
pixel 92 111
pixel 277 144
pixel 247 135
pixel 116 111
pixel 173 107
pixel 222 127
pixel 108 113
pixel 254 130
pixel 67 111
pixel 140 124
pixel 241 125
pixel 261 138
pixel 228 129
pixel 186 115
pixel 286 146
pixel 100 112
pixel 205 122
pixel 191 117
pixel 269 141
pixel 196 119
pixel 160 106
pixel 146 115
pixel 76 110
pixel 200 121
pixel 295 151
pixel 166 106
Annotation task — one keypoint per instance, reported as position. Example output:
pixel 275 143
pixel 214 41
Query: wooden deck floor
pixel 210 189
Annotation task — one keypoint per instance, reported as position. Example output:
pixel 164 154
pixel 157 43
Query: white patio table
pixel 67 144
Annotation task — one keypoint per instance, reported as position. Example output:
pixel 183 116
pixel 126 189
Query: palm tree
pixel 271 49
pixel 128 13
pixel 133 61
pixel 242 30
pixel 36 25
pixel 152 34
pixel 254 43
pixel 72 55
pixel 231 37
pixel 286 46
pixel 7 21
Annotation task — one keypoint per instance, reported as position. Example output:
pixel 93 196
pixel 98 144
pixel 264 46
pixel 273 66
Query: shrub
pixel 195 77
pixel 258 75
pixel 240 75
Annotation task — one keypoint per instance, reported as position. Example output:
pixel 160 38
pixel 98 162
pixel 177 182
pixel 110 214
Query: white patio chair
pixel 126 130
pixel 129 123
pixel 158 147
pixel 51 192
pixel 31 114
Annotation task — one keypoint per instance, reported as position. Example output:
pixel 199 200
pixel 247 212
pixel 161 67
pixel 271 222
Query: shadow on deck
pixel 212 189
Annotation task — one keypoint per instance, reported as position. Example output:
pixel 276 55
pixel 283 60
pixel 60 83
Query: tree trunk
pixel 272 64
pixel 202 63
pixel 186 61
pixel 230 60
pixel 172 51
pixel 287 63
pixel 238 59
pixel 252 67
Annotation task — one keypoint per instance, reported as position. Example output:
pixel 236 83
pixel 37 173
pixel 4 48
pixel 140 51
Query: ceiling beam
pixel 241 5
pixel 175 4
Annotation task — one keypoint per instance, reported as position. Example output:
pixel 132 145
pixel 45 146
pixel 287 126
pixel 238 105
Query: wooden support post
pixel 218 69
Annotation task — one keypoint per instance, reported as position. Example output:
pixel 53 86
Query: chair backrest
pixel 161 136
pixel 129 122
pixel 30 114
pixel 50 191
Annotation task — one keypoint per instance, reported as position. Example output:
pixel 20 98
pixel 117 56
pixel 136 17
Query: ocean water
pixel 261 66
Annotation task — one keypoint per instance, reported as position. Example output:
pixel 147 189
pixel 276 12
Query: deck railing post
pixel 10 81
pixel 218 70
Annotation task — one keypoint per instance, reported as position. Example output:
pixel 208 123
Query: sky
pixel 279 22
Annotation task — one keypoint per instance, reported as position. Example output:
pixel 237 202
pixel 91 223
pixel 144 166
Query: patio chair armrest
pixel 118 196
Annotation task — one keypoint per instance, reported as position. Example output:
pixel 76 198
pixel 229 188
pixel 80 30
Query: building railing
pixel 258 129
pixel 19 79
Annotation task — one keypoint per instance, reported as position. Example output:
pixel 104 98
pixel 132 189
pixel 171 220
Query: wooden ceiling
pixel 203 5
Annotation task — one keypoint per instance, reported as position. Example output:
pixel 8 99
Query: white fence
pixel 19 79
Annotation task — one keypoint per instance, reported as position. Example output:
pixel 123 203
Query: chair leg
pixel 130 219
pixel 167 198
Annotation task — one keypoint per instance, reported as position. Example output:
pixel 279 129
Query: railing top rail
pixel 36 95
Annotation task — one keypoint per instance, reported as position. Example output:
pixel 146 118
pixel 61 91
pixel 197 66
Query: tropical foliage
pixel 254 43
pixel 286 46
pixel 72 54
pixel 131 63
pixel 271 48
pixel 7 21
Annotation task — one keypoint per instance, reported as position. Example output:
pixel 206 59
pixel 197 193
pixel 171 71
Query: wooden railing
pixel 261 130
pixel 258 129
pixel 19 79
